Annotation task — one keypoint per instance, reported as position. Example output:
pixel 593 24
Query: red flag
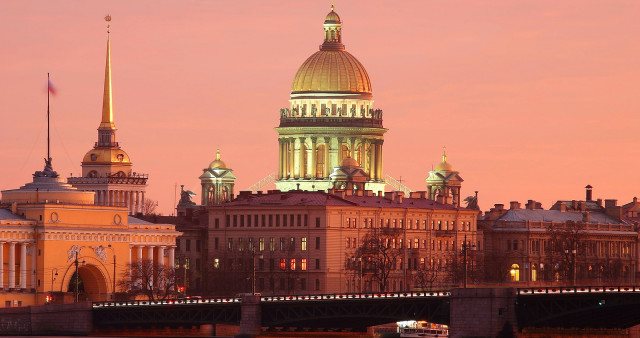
pixel 50 86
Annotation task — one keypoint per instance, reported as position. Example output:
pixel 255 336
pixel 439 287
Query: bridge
pixel 471 311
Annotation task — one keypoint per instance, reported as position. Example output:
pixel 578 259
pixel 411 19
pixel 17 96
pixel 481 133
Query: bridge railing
pixel 578 289
pixel 179 301
pixel 350 296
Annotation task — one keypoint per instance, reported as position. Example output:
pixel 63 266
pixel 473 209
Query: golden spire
pixel 107 104
pixel 444 154
pixel 218 155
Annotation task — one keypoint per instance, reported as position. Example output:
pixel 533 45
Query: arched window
pixel 92 173
pixel 514 273
pixel 344 152
pixel 534 272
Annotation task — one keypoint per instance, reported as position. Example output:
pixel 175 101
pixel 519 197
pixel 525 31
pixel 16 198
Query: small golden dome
pixel 218 162
pixel 444 165
pixel 332 17
pixel 106 155
pixel 349 162
pixel 331 71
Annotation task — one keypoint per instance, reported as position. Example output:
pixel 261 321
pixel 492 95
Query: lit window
pixel 283 264
pixel 240 244
pixel 216 263
pixel 303 244
pixel 261 244
pixel 303 264
pixel 272 244
pixel 293 264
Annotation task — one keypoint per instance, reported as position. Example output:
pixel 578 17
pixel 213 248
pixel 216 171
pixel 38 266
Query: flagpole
pixel 48 93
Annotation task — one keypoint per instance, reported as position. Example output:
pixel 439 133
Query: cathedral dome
pixel 444 165
pixel 332 69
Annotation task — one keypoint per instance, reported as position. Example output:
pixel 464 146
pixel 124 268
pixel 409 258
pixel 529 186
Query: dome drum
pixel 358 122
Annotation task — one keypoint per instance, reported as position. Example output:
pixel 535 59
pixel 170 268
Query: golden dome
pixel 332 17
pixel 217 163
pixel 444 165
pixel 349 162
pixel 106 155
pixel 331 71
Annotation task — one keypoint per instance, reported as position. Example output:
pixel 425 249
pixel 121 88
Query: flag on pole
pixel 50 86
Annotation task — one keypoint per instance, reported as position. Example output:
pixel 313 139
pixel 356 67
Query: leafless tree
pixel 425 276
pixel 380 251
pixel 149 207
pixel 149 280
pixel 565 240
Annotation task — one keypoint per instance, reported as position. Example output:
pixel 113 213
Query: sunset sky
pixel 533 99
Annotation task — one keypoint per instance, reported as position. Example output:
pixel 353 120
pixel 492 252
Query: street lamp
pixel 573 263
pixel 113 297
pixel 77 275
pixel 53 277
pixel 465 248
pixel 253 282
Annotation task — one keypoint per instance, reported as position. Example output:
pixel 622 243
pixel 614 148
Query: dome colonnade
pixel 330 117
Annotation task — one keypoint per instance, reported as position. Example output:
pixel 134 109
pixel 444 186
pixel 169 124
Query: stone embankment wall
pixel 55 319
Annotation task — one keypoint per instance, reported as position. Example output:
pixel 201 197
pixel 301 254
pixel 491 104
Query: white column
pixel 34 260
pixel 160 256
pixel 12 265
pixel 150 253
pixel 136 202
pixel 142 205
pixel 172 257
pixel 139 254
pixel 23 266
pixel 1 265
pixel 107 199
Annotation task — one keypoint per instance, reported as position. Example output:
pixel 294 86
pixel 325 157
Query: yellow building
pixel 50 229
pixel 330 117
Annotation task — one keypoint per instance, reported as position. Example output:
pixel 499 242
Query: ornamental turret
pixel 444 183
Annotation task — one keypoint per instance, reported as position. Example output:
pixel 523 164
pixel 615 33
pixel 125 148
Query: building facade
pixel 312 242
pixel 330 117
pixel 574 242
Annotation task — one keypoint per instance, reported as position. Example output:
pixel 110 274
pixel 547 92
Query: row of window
pixel 286 264
pixel 589 248
pixel 353 263
pixel 283 244
pixel 288 284
pixel 285 220
pixel 394 223
pixel 416 243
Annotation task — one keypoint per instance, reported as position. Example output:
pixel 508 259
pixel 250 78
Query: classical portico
pixel 330 116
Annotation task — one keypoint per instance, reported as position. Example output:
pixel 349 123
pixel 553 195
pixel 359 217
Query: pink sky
pixel 533 99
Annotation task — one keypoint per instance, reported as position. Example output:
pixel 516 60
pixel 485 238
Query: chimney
pixel 635 200
pixel 514 205
pixel 389 195
pixel 14 208
pixel 574 205
pixel 586 217
pixel 599 202
pixel 499 207
pixel 400 195
pixel 583 206
pixel 589 188
pixel 610 203
pixel 563 207
pixel 531 205
pixel 539 205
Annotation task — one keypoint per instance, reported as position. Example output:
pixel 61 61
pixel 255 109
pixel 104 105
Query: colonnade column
pixel 1 265
pixel 290 151
pixel 372 160
pixel 327 157
pixel 364 143
pixel 379 159
pixel 23 265
pixel 161 256
pixel 297 157
pixel 12 265
pixel 34 254
pixel 314 157
pixel 172 257
pixel 139 254
pixel 280 166
pixel 142 204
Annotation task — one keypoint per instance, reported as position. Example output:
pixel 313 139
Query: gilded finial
pixel 332 7
pixel 444 154
pixel 108 19
pixel 218 154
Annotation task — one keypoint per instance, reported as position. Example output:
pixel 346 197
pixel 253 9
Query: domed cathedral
pixel 107 169
pixel 217 182
pixel 330 116
pixel 444 183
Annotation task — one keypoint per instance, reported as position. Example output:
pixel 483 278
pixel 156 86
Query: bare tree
pixel 149 207
pixel 152 281
pixel 380 251
pixel 425 276
pixel 565 242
